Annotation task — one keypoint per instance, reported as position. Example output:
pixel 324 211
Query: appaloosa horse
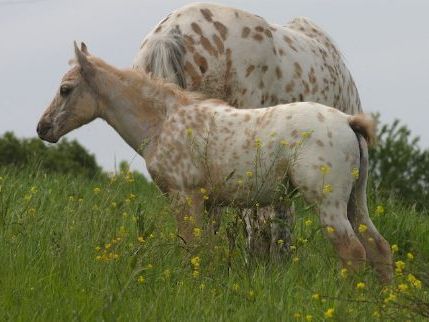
pixel 205 151
pixel 239 57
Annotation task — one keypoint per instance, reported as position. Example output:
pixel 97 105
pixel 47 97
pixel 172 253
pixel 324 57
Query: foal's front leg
pixel 188 209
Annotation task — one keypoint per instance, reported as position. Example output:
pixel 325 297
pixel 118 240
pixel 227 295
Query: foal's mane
pixel 139 78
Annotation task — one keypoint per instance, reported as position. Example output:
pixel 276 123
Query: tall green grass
pixel 72 248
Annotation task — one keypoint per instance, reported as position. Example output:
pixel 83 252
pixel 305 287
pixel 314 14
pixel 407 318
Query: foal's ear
pixel 84 49
pixel 82 59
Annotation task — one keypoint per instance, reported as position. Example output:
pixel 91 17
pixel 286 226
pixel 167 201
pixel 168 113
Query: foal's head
pixel 74 103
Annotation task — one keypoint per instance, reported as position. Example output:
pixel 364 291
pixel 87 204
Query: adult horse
pixel 239 57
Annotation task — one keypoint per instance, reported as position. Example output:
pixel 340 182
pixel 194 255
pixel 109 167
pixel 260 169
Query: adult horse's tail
pixel 161 54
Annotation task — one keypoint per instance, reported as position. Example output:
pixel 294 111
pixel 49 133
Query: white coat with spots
pixel 205 152
pixel 236 56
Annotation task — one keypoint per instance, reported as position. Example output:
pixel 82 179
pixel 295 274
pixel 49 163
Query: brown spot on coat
pixel 195 77
pixel 298 70
pixel 196 28
pixel 264 68
pixel 219 44
pixel 258 37
pixel 201 62
pixel 208 46
pixel 245 32
pixel 249 70
pixel 268 33
pixel 207 14
pixel 279 72
pixel 223 31
pixel 290 86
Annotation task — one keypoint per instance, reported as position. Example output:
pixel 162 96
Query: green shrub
pixel 67 157
pixel 399 168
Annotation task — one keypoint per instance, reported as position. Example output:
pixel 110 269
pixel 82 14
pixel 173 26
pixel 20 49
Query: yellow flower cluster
pixel 355 173
pixel 325 169
pixel 195 263
pixel 258 143
pixel 327 188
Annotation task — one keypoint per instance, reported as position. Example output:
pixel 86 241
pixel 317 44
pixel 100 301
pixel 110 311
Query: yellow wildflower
pixel 330 230
pixel 189 201
pixel 113 204
pixel 325 169
pixel 295 259
pixel 355 173
pixel 97 190
pixel 399 266
pixel 360 285
pixel 140 279
pixel 202 286
pixel 189 131
pixel 258 143
pixel 97 249
pixel 141 239
pixel 195 273
pixel 308 222
pixel 376 314
pixel 403 287
pixel 235 287
pixel 195 261
pixel 410 256
pixel 306 134
pixel 394 248
pixel 362 228
pixel 309 317
pixel 203 191
pixel 197 232
pixel 344 272
pixel 329 313
pixel 327 188
pixel 251 294
pixel 107 246
pixel 297 315
pixel 316 296
pixel 379 210
pixel 249 174
pixel 391 298
pixel 280 242
pixel 166 274
pixel 284 142
pixel 33 190
pixel 205 197
pixel 414 281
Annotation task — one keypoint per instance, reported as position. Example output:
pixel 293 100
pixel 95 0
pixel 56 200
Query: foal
pixel 204 151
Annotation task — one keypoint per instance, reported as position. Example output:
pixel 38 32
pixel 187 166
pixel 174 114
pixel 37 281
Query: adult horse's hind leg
pixel 340 232
pixel 377 248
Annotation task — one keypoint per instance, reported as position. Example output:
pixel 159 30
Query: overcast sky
pixel 385 44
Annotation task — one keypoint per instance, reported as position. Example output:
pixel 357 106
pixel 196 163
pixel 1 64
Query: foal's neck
pixel 137 105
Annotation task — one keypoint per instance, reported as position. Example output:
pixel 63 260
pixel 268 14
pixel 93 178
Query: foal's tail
pixel 162 55
pixel 364 125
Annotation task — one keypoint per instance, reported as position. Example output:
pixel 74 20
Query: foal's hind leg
pixel 377 248
pixel 340 232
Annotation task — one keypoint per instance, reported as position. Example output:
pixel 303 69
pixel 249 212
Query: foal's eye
pixel 65 90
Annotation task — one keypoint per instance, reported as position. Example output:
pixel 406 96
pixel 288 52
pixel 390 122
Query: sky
pixel 385 44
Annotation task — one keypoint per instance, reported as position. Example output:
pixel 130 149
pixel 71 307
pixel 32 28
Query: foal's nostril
pixel 43 128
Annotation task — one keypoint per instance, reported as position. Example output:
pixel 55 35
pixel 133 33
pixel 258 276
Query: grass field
pixel 106 249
